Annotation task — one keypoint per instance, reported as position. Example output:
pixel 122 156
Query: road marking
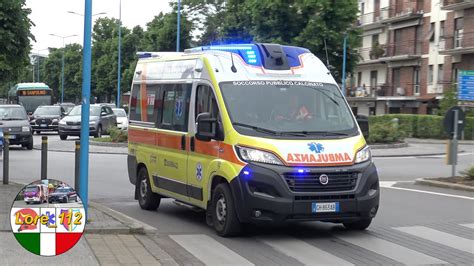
pixel 302 251
pixel 422 156
pixel 468 225
pixel 209 251
pixel 388 249
pixel 390 185
pixel 443 238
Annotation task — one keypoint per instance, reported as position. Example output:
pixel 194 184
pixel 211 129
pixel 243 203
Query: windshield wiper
pixel 259 129
pixel 322 133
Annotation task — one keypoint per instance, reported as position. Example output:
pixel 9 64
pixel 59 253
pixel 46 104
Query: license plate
pixel 75 127
pixel 11 137
pixel 44 125
pixel 324 207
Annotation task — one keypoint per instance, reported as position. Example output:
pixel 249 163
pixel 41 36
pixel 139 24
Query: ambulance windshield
pixel 288 108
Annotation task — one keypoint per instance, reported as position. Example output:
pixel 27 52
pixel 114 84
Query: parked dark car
pixel 14 123
pixel 63 194
pixel 46 118
pixel 101 119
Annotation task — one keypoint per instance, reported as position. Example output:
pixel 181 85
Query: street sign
pixel 466 85
pixel 449 121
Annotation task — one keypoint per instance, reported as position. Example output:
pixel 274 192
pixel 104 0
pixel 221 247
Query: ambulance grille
pixel 310 182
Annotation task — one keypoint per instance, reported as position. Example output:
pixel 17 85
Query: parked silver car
pixel 101 119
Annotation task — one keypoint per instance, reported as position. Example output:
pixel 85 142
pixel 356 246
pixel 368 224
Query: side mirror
pixel 206 127
pixel 363 122
pixel 103 113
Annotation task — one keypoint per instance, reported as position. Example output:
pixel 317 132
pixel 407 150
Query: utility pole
pixel 119 72
pixel 344 66
pixel 179 26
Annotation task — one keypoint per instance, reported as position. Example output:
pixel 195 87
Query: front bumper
pixel 20 138
pixel 33 199
pixel 264 195
pixel 75 130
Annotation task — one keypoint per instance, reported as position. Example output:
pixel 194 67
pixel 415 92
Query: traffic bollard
pixel 6 159
pixel 44 157
pixel 76 166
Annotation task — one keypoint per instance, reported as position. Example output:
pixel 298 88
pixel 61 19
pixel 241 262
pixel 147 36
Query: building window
pixel 440 74
pixel 455 74
pixel 373 82
pixel 458 32
pixel 362 8
pixel 375 40
pixel 416 81
pixel 431 32
pixel 359 79
pixel 430 75
pixel 441 29
pixel 398 42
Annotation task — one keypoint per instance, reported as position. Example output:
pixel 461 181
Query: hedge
pixel 423 126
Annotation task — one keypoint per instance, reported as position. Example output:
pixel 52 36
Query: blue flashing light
pixel 246 173
pixel 248 52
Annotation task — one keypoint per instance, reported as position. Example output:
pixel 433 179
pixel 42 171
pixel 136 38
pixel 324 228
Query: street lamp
pixel 37 61
pixel 62 63
pixel 79 14
pixel 119 54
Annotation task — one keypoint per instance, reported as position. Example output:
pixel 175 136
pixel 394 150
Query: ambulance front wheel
pixel 224 215
pixel 147 199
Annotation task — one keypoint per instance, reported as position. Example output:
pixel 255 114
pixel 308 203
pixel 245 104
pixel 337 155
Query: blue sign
pixel 466 85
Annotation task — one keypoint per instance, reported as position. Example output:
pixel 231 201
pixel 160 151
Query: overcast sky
pixel 52 17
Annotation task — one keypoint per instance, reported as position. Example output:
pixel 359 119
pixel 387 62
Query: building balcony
pixel 372 55
pixel 407 50
pixel 460 43
pixel 396 14
pixel 456 4
pixel 372 20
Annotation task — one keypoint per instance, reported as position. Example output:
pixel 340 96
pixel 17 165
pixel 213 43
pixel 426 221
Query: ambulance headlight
pixel 363 155
pixel 258 156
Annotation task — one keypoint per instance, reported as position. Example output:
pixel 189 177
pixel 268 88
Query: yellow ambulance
pixel 251 133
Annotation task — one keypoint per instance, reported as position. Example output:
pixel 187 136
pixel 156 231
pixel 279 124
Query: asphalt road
pixel 415 224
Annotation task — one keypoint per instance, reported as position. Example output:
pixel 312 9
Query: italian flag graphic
pixel 47 231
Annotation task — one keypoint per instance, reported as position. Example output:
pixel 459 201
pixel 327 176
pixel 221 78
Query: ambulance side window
pixel 145 105
pixel 206 101
pixel 175 111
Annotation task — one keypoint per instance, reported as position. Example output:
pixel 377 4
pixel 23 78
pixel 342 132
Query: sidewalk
pixel 69 146
pixel 110 238
pixel 416 147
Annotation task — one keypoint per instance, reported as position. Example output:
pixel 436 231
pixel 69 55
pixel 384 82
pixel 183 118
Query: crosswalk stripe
pixel 388 249
pixel 468 225
pixel 443 238
pixel 209 251
pixel 302 251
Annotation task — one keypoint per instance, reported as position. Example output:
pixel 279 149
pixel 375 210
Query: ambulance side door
pixel 172 156
pixel 201 153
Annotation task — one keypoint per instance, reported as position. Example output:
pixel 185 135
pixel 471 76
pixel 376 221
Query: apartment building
pixel 411 52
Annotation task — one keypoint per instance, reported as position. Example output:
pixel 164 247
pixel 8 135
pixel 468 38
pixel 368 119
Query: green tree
pixel 51 72
pixel 305 23
pixel 15 36
pixel 449 100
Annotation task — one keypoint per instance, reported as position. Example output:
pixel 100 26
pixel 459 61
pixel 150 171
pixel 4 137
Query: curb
pixel 108 144
pixel 431 141
pixel 388 146
pixel 134 226
pixel 433 183
pixel 90 152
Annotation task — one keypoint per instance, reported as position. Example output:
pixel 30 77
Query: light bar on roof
pixel 248 52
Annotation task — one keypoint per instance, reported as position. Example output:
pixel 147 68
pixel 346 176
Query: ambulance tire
pixel 361 224
pixel 225 220
pixel 147 199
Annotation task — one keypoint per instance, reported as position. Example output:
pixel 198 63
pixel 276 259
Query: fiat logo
pixel 323 179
